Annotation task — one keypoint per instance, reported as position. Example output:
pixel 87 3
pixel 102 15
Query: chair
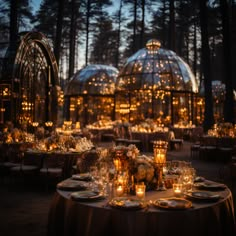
pixel 3 160
pixel 29 167
pixel 86 161
pixel 52 170
pixel 12 156
pixel 226 148
pixel 195 150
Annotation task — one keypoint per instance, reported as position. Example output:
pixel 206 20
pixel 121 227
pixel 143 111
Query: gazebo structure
pixel 29 81
pixel 218 96
pixel 90 93
pixel 156 83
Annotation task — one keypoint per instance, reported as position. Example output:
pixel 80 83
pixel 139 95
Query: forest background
pixel 83 32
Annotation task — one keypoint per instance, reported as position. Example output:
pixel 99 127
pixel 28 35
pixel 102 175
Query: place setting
pixel 203 196
pixel 128 203
pixel 173 203
pixel 209 185
pixel 87 195
pixel 82 177
pixel 72 185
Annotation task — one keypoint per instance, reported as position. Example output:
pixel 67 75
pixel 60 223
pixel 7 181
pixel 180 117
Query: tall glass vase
pixel 159 151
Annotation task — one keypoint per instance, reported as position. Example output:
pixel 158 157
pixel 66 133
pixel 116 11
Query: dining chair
pixel 4 161
pixel 52 170
pixel 87 160
pixel 28 169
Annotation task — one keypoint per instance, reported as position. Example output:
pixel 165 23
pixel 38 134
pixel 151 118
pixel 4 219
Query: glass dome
pixel 156 83
pixel 218 96
pixel 93 79
pixel 156 68
pixel 91 94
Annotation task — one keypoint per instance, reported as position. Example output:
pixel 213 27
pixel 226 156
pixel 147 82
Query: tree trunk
pixel 228 80
pixel 13 22
pixel 72 40
pixel 195 49
pixel 142 25
pixel 134 27
pixel 205 62
pixel 172 36
pixel 87 32
pixel 118 35
pixel 60 13
pixel 163 26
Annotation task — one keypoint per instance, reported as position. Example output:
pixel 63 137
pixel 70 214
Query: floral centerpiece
pixel 140 168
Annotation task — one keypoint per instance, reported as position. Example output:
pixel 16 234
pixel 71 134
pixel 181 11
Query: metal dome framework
pixel 31 74
pixel 91 93
pixel 156 83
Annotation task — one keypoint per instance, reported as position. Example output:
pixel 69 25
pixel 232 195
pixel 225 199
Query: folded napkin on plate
pixel 71 185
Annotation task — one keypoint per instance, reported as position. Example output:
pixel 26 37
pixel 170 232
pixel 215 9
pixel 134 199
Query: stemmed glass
pixel 93 170
pixel 102 178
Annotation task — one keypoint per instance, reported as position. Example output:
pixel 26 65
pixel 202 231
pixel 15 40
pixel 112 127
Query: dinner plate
pixel 127 203
pixel 86 196
pixel 199 179
pixel 82 176
pixel 71 185
pixel 203 195
pixel 210 186
pixel 173 203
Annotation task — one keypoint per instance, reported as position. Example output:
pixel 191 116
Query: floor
pixel 24 209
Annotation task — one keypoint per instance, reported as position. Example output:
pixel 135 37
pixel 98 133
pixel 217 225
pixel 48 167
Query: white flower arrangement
pixel 141 167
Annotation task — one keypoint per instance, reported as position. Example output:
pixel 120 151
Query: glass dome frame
pixel 90 93
pixel 156 83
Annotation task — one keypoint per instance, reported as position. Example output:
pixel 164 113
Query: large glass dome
pixel 93 79
pixel 155 82
pixel 156 68
pixel 91 94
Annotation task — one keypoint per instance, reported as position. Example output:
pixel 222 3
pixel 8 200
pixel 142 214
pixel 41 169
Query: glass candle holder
pixel 178 190
pixel 159 151
pixel 140 191
pixel 119 190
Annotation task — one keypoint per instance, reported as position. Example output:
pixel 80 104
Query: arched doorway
pixel 31 73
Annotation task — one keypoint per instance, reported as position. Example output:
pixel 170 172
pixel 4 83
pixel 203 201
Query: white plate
pixel 203 195
pixel 86 196
pixel 127 203
pixel 82 176
pixel 173 203
pixel 210 186
pixel 71 185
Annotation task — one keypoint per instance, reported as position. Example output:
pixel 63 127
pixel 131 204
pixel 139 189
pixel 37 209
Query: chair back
pixel 89 159
pixel 32 159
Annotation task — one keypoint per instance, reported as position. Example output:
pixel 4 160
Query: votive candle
pixel 177 188
pixel 119 190
pixel 140 191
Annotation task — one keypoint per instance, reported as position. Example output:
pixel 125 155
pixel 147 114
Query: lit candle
pixel 160 158
pixel 117 164
pixel 177 188
pixel 119 190
pixel 140 191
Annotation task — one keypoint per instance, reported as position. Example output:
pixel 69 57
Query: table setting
pixel 127 197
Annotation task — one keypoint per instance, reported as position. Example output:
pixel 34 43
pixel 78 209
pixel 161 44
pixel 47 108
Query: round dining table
pixel 98 218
